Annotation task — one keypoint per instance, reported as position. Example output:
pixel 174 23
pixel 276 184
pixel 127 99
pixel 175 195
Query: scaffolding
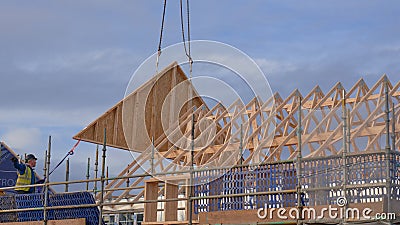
pixel 302 152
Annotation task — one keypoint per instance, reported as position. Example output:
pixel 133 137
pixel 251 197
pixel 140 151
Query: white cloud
pixel 274 68
pixel 23 138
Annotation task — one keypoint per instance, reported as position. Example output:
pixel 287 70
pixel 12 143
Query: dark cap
pixel 30 156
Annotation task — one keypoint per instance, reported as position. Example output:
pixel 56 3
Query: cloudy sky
pixel 64 63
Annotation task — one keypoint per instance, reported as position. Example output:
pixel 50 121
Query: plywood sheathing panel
pixel 141 112
pixel 150 208
pixel 171 208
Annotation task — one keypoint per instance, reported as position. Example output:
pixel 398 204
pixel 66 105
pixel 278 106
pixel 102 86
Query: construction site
pixel 323 149
pixel 322 157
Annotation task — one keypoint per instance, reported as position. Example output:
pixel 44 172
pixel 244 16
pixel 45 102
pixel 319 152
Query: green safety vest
pixel 24 179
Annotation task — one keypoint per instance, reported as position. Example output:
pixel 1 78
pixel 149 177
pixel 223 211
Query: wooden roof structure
pixel 255 132
pixel 135 120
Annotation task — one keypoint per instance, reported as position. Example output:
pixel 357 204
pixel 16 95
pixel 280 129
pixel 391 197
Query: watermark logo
pixel 341 201
pixel 330 212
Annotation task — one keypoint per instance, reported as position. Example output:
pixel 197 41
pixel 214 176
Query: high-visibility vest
pixel 24 179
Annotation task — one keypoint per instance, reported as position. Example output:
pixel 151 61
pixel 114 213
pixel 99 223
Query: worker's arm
pixel 19 166
pixel 40 181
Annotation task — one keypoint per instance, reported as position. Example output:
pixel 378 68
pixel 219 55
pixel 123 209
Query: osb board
pixel 80 221
pixel 142 112
pixel 250 216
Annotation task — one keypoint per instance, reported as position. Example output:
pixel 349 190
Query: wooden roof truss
pixel 267 131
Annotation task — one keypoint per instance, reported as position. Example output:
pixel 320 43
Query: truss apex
pixel 339 86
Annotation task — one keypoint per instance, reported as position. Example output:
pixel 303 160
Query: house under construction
pixel 236 164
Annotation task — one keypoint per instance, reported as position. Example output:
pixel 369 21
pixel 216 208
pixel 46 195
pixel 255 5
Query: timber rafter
pixel 265 130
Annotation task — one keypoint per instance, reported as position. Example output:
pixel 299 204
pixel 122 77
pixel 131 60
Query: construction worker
pixel 26 176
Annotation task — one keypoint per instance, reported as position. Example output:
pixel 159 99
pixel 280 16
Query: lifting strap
pixel 71 152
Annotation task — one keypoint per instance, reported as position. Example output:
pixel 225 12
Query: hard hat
pixel 30 156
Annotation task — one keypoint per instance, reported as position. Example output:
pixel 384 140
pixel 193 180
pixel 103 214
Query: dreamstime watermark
pixel 330 212
pixel 310 213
